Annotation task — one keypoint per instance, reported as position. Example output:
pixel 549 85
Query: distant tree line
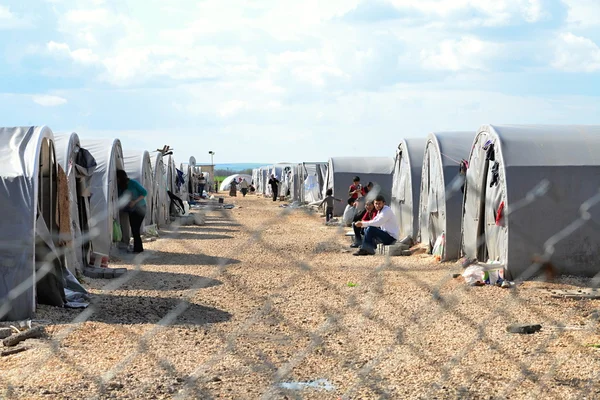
pixel 227 172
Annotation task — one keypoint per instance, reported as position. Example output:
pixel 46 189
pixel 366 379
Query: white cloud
pixel 456 55
pixel 48 100
pixel 82 56
pixel 583 13
pixel 232 107
pixel 9 20
pixel 576 54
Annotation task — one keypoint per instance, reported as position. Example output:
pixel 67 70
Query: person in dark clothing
pixel 274 182
pixel 135 208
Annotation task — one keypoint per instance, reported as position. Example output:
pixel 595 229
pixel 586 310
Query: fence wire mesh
pixel 322 324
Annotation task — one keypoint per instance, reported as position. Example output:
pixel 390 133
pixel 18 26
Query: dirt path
pixel 262 295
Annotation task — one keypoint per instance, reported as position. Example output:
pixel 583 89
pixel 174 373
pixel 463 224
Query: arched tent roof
pixel 407 184
pixel 139 167
pixel 104 200
pixel 542 175
pixel 160 198
pixel 441 189
pixel 226 182
pixel 341 171
pixel 24 151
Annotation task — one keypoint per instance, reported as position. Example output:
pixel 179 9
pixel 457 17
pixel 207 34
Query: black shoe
pixel 355 245
pixel 361 252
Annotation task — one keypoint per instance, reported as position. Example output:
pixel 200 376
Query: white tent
pixel 139 167
pixel 407 184
pixel 441 193
pixel 160 198
pixel 341 171
pixel 306 185
pixel 227 181
pixel 526 185
pixel 79 166
pixel 28 199
pixel 185 185
pixel 104 200
pixel 171 174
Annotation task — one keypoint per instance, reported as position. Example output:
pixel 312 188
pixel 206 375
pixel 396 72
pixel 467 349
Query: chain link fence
pixel 449 367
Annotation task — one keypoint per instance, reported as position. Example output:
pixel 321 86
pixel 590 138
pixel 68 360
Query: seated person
pixel 383 228
pixel 366 215
pixel 349 212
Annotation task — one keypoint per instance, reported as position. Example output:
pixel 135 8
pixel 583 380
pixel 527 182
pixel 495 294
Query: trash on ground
pixel 523 328
pixel 322 384
pixel 352 284
pixel 13 340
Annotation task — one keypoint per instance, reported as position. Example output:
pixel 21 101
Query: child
pixel 328 200
pixel 349 212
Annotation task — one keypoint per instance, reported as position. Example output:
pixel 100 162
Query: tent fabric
pixel 407 184
pixel 104 200
pixel 440 194
pixel 67 147
pixel 160 198
pixel 227 181
pixel 184 188
pixel 139 167
pixel 25 149
pixel 171 172
pixel 529 172
pixel 341 171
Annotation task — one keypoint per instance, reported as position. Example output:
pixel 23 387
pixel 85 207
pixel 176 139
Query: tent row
pixel 509 195
pixel 60 204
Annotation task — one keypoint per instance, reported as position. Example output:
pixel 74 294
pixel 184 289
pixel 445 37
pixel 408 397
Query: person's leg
pixel 328 214
pixel 357 235
pixel 135 220
pixel 373 233
pixel 274 189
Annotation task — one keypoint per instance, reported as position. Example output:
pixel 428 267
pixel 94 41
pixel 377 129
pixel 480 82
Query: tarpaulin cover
pixel 20 161
pixel 160 198
pixel 541 175
pixel 440 195
pixel 104 200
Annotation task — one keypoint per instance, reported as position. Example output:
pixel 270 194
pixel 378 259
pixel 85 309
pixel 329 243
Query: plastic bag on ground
pixel 474 275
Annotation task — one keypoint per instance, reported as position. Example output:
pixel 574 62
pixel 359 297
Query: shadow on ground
pixel 159 280
pixel 114 309
pixel 170 258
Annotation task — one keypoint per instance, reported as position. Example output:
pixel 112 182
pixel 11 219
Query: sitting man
pixel 365 215
pixel 383 228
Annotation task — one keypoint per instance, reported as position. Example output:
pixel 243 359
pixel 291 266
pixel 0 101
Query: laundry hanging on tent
pixel 500 215
pixel 495 174
pixel 179 181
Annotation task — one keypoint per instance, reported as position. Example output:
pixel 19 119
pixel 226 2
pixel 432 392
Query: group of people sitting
pixel 371 219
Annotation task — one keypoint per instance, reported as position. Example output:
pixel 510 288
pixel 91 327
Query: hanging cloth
pixel 495 174
pixel 500 215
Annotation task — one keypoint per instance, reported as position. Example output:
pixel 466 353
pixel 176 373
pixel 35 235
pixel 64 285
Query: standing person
pixel 328 201
pixel 356 189
pixel 233 188
pixel 274 182
pixel 366 215
pixel 244 187
pixel 383 228
pixel 201 184
pixel 136 208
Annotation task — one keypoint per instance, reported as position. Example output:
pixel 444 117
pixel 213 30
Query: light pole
pixel 212 164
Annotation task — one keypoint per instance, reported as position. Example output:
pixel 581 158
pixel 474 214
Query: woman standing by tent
pixel 136 208
pixel 233 188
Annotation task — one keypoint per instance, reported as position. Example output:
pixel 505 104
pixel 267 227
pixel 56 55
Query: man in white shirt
pixel 244 187
pixel 383 228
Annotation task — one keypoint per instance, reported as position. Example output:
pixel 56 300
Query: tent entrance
pixel 482 251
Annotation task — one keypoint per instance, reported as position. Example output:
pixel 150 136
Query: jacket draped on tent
pixel 139 167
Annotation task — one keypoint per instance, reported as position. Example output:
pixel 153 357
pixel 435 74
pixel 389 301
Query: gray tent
pixel 139 167
pixel 407 184
pixel 160 198
pixel 543 175
pixel 104 200
pixel 441 190
pixel 341 171
pixel 79 166
pixel 28 199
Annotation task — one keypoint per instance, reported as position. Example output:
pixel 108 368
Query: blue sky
pixel 274 80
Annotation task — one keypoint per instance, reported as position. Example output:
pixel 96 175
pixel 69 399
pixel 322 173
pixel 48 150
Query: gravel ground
pixel 262 295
